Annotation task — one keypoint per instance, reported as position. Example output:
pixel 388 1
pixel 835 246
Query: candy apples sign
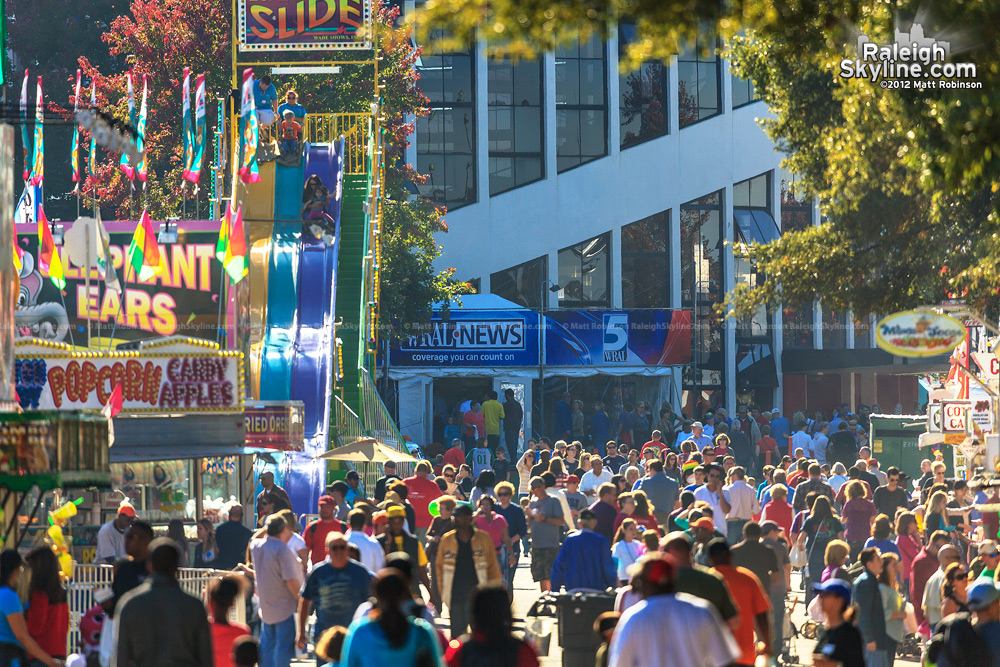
pixel 151 381
pixel 915 334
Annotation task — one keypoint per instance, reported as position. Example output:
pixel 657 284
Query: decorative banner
pixel 151 381
pixel 275 425
pixel 471 338
pixel 49 261
pixel 248 132
pixel 123 162
pixel 92 156
pixel 916 334
pixel 75 149
pixel 270 25
pixel 200 130
pixel 182 301
pixel 140 128
pixel 639 337
pixel 38 152
pixel 25 136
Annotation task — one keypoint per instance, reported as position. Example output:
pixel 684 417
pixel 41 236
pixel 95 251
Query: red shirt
pixel 223 636
pixel 420 492
pixel 780 512
pixel 48 624
pixel 315 537
pixel 455 457
pixel 796 477
pixel 474 419
pixel 923 568
pixel 751 600
pixel 655 445
pixel 453 655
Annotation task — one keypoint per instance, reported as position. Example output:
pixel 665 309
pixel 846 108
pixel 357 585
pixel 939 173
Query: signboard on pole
pixel 934 418
pixel 955 416
pixel 278 425
pixel 304 25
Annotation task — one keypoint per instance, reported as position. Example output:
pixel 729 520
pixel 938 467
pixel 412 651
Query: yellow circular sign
pixel 915 334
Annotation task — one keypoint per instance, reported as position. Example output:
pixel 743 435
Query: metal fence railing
pixel 325 128
pixel 349 429
pixel 380 424
pixel 89 578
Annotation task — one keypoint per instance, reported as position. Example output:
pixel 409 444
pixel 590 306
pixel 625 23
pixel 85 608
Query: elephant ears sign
pixel 302 25
pixel 917 334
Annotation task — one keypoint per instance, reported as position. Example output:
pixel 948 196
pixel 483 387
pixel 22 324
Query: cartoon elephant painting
pixel 47 320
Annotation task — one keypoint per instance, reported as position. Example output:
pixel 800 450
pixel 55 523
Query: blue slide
pixel 299 346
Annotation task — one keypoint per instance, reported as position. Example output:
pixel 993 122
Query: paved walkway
pixel 526 592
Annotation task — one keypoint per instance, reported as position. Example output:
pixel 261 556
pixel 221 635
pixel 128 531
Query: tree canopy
pixel 906 178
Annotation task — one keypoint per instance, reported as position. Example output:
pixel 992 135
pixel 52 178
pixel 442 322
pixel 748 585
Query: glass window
pixel 585 274
pixel 796 208
pixel 642 96
pixel 797 328
pixel 646 262
pixel 743 92
pixel 834 329
pixel 581 103
pixel 702 237
pixel 161 490
pixel 515 123
pixel 862 333
pixel 446 136
pixel 699 91
pixel 753 225
pixel 522 284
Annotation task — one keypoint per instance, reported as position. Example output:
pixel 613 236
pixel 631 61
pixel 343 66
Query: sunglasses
pixel 993 555
pixel 450 475
pixel 338 547
pixel 504 494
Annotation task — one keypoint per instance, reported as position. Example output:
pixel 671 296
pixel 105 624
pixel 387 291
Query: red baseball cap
pixel 327 500
pixel 572 479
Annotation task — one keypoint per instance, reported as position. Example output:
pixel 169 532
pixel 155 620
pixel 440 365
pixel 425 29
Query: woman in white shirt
pixel 625 550
pixel 524 466
pixel 839 476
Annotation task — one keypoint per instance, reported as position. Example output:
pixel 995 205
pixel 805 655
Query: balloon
pixel 433 508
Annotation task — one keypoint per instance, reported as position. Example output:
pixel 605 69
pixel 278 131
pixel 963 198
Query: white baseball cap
pixel 697 425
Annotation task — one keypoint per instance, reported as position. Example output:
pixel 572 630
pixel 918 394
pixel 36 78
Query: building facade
pixel 572 186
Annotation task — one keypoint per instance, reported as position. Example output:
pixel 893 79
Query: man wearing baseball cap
pixel 316 532
pixel 697 634
pixel 576 500
pixel 396 538
pixel 111 536
pixel 989 555
pixel 972 639
pixel 983 599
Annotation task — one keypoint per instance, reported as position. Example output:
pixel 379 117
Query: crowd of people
pixel 693 547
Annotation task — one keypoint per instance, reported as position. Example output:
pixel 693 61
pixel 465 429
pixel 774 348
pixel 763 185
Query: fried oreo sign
pixel 916 334
pixel 269 25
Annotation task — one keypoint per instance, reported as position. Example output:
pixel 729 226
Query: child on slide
pixel 315 198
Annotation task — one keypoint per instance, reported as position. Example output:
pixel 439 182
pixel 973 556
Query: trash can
pixel 576 613
pixel 894 442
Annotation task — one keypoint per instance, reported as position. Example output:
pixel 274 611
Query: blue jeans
pixel 734 531
pixel 277 643
pixel 879 658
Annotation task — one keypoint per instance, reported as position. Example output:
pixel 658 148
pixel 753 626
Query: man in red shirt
pixel 316 532
pixel 751 601
pixel 420 492
pixel 656 444
pixel 455 456
pixel 925 564
pixel 473 426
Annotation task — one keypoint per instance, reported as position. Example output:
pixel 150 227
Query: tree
pixel 905 177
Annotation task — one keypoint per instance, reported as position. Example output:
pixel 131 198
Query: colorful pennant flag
pixel 25 137
pixel 49 262
pixel 200 129
pixel 38 152
pixel 140 142
pixel 187 125
pixel 222 244
pixel 248 170
pixel 18 260
pixel 123 162
pixel 235 257
pixel 143 253
pixel 75 149
pixel 92 156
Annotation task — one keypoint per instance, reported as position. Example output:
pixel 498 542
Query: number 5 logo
pixel 615 337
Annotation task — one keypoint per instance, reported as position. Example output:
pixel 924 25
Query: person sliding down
pixel 315 198
pixel 290 133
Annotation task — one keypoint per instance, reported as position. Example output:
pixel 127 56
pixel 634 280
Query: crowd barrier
pixel 89 578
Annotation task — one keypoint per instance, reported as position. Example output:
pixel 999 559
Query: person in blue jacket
pixel 584 560
pixel 880 649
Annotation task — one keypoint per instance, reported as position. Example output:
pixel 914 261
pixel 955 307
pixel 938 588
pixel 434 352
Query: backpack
pixel 957 644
